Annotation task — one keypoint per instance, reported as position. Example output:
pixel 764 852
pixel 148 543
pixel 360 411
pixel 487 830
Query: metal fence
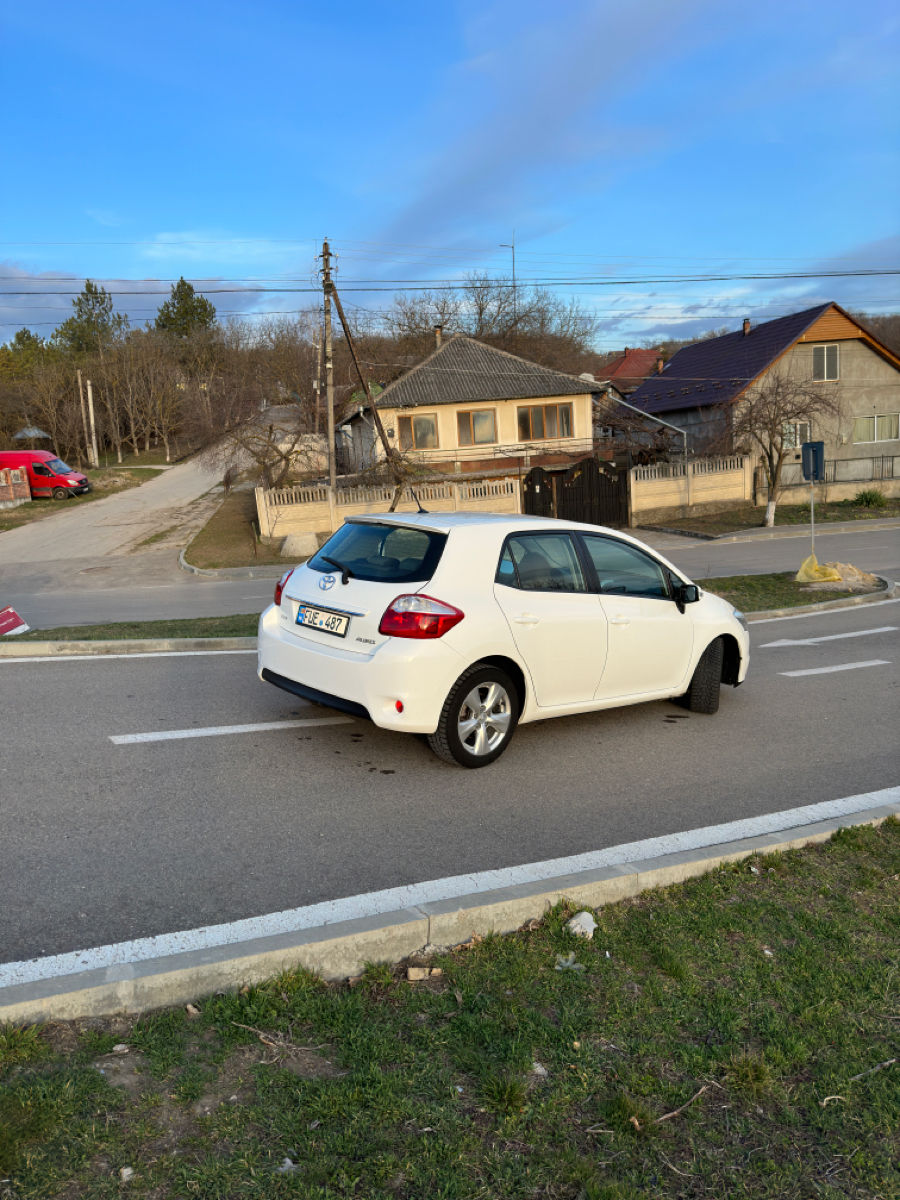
pixel 847 470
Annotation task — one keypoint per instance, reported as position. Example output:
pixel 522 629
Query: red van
pixel 47 474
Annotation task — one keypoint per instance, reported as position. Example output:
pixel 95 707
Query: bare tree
pixel 765 420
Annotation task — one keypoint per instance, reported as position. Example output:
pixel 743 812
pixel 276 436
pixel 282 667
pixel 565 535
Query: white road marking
pixel 371 904
pixel 875 662
pixel 831 637
pixel 828 612
pixel 141 654
pixel 170 735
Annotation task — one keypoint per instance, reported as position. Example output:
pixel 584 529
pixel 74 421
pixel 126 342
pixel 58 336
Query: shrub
pixel 870 498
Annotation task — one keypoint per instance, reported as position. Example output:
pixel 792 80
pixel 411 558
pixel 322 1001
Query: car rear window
pixel 383 553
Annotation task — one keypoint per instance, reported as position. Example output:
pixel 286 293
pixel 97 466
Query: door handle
pixel 526 619
pixel 619 621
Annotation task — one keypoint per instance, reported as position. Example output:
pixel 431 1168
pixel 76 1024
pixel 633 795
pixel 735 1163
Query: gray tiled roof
pixel 463 370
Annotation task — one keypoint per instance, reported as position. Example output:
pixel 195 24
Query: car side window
pixel 624 570
pixel 541 562
pixel 40 469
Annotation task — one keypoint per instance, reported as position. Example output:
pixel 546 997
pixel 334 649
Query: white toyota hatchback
pixel 462 625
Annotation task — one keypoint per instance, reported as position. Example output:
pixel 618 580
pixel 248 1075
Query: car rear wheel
pixel 703 694
pixel 60 493
pixel 478 718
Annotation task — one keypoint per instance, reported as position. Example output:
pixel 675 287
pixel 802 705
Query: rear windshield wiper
pixel 345 571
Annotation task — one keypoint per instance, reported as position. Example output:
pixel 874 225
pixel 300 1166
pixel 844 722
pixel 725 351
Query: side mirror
pixel 684 593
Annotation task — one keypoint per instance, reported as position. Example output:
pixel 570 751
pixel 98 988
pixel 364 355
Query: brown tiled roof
pixel 463 370
pixel 631 364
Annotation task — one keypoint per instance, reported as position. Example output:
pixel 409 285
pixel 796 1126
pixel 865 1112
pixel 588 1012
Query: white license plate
pixel 324 619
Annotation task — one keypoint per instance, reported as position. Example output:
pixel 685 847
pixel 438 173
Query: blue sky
pixel 223 141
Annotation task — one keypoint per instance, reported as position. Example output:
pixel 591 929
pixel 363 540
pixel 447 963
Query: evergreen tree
pixel 93 326
pixel 185 312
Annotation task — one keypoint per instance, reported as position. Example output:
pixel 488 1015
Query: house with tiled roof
pixel 470 404
pixel 824 347
pixel 628 370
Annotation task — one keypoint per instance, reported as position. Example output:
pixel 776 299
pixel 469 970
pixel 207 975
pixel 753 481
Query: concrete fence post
pixel 262 512
pixel 688 476
pixel 454 494
pixel 332 509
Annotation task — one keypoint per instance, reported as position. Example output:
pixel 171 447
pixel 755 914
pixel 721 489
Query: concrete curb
pixel 782 531
pixel 16 649
pixel 273 571
pixel 342 949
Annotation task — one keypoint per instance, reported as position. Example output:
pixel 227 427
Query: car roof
pixel 445 522
pixel 503 523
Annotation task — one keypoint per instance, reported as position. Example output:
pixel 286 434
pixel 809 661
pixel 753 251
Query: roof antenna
pixel 418 501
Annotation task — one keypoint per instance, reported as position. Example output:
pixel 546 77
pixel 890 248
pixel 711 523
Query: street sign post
pixel 813 462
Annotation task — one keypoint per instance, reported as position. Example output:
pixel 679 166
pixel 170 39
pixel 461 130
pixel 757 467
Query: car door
pixel 41 478
pixel 556 621
pixel 649 639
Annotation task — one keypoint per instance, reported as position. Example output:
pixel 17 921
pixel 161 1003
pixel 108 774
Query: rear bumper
pixel 317 697
pixel 419 674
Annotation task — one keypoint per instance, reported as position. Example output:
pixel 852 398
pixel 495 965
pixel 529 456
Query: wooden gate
pixel 590 491
pixel 538 498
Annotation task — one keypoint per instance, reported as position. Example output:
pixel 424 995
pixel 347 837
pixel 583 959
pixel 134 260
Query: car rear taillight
pixel 419 617
pixel 279 586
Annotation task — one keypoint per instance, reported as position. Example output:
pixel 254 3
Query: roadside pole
pixel 813 465
pixel 87 443
pixel 329 365
pixel 90 395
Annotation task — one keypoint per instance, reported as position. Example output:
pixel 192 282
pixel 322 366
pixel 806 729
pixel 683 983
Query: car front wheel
pixel 478 718
pixel 702 695
pixel 61 493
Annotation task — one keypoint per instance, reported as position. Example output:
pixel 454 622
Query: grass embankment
pixel 105 482
pixel 747 516
pixel 758 593
pixel 243 625
pixel 732 1036
pixel 229 538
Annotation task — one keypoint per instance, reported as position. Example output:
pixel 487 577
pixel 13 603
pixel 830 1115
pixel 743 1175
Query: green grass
pixel 747 516
pixel 739 1063
pixel 104 482
pixel 757 593
pixel 229 538
pixel 243 625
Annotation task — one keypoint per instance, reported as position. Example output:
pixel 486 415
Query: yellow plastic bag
pixel 811 572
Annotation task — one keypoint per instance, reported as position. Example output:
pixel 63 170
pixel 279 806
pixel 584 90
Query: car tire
pixel 60 493
pixel 478 719
pixel 702 695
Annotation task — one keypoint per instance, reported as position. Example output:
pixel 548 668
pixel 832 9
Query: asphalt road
pixel 106 841
pixel 150 586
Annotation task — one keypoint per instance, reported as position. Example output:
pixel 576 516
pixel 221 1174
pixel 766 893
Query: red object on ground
pixel 11 622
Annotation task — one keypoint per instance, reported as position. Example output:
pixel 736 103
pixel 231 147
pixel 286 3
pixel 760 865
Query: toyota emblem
pixel 326 582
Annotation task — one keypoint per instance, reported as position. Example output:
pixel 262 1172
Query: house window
pixel 477 428
pixel 825 363
pixel 418 432
pixel 544 421
pixel 795 434
pixel 884 427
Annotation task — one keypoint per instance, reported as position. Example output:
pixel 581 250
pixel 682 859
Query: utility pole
pixel 389 451
pixel 87 443
pixel 512 246
pixel 328 287
pixel 90 395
